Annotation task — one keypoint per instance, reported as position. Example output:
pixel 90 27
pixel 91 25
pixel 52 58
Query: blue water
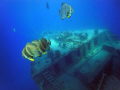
pixel 21 21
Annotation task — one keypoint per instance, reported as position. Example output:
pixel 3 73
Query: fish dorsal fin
pixel 63 4
pixel 35 42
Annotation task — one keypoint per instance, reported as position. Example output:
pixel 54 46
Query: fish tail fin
pixel 59 12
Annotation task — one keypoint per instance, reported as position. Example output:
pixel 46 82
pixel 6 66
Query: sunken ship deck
pixel 77 60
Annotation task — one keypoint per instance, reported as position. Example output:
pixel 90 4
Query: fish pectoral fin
pixel 44 52
pixel 68 16
pixel 31 59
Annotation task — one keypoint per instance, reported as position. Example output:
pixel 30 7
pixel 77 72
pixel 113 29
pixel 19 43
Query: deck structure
pixel 82 67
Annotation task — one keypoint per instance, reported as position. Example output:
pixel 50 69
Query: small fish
pixel 66 11
pixel 30 51
pixel 35 49
pixel 14 30
pixel 47 5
